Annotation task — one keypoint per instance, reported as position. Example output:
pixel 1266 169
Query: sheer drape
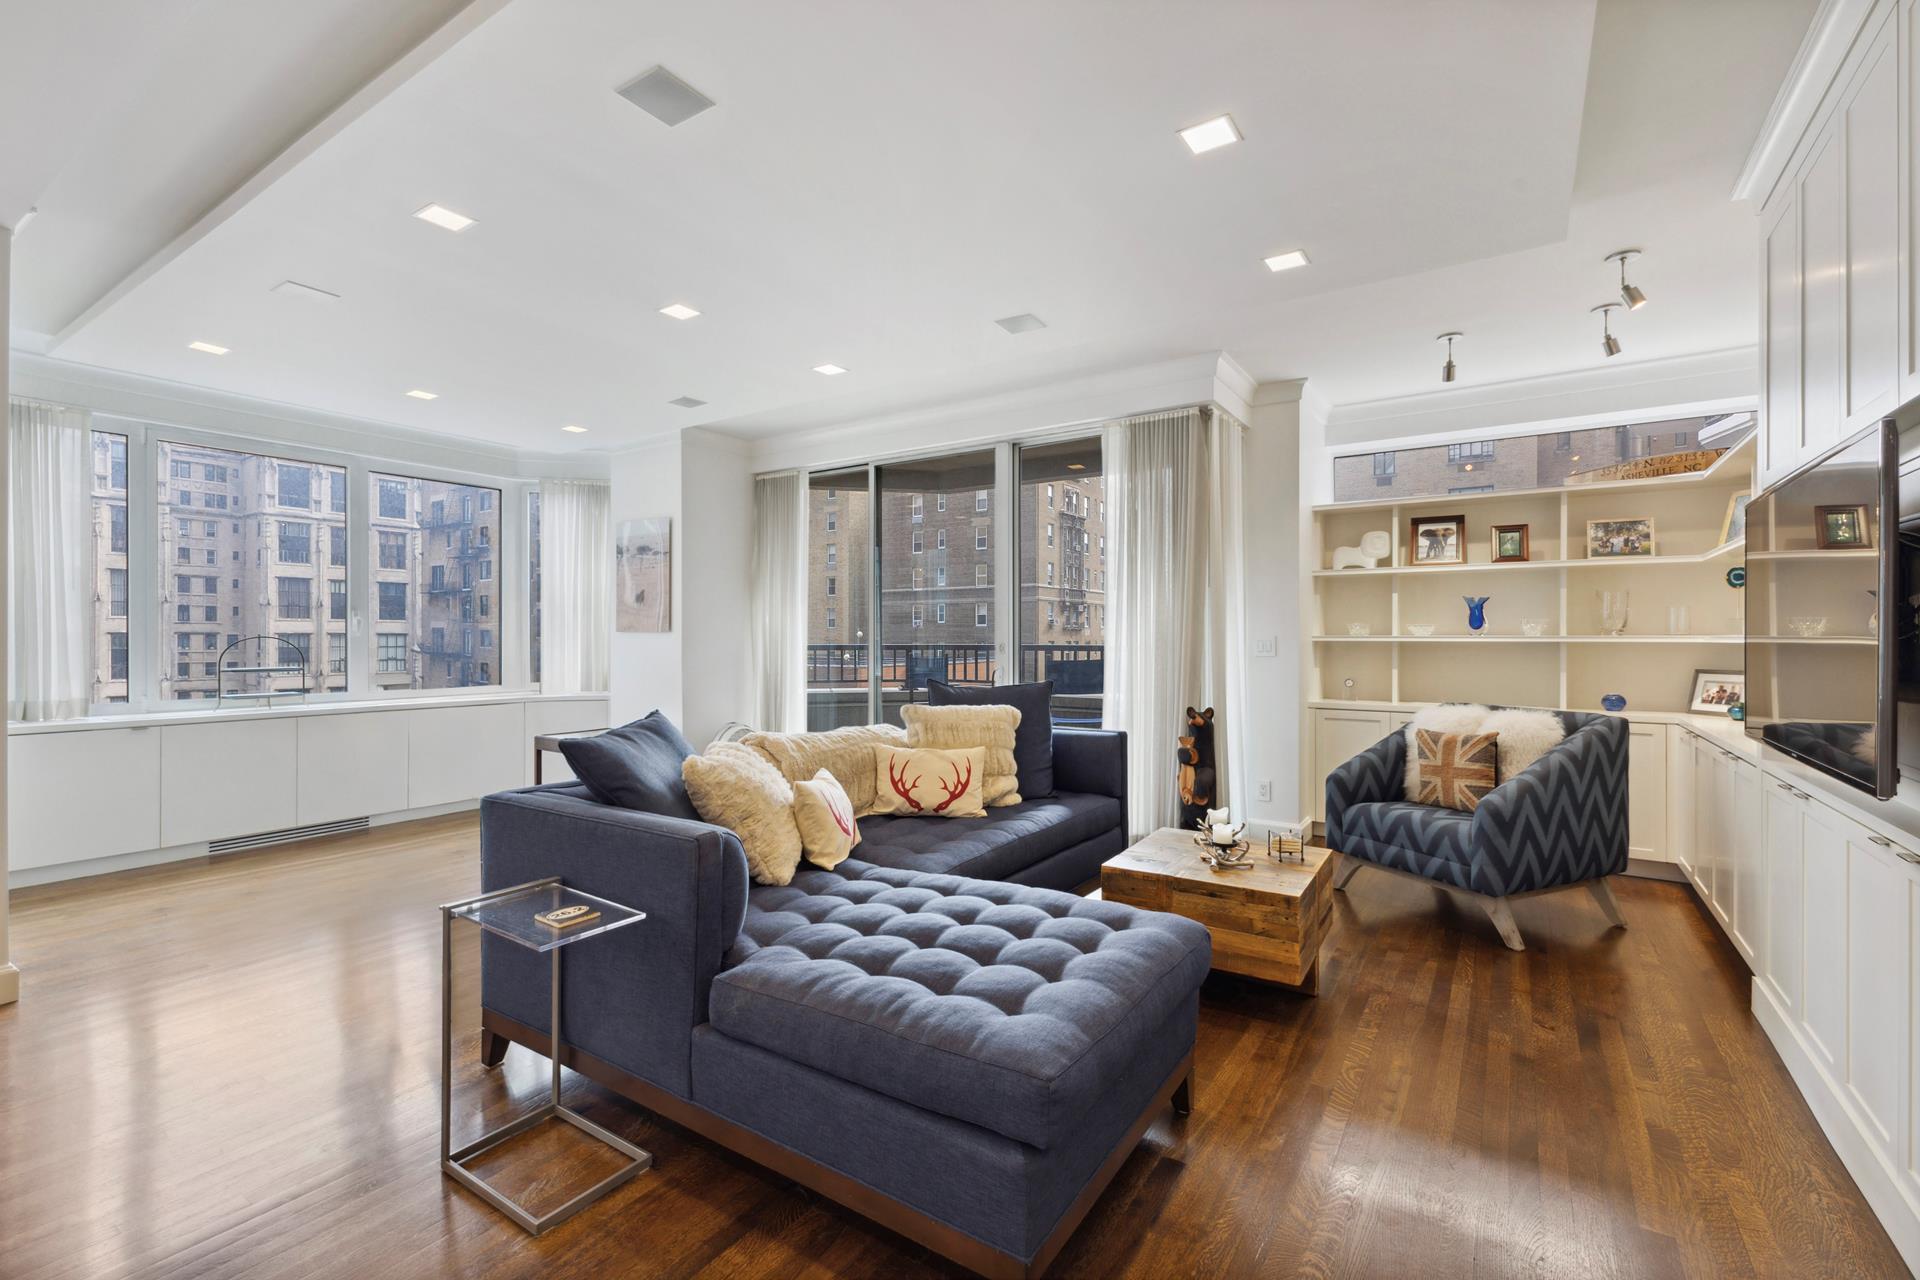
pixel 576 585
pixel 1175 599
pixel 777 609
pixel 50 587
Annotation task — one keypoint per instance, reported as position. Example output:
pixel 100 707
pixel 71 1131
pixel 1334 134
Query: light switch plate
pixel 1264 647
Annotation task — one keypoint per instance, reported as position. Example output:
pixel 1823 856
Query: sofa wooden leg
pixel 1183 1097
pixel 1502 917
pixel 1349 868
pixel 493 1048
pixel 1603 895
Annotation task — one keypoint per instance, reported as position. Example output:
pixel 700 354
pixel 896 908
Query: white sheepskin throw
pixel 1448 717
pixel 734 787
pixel 846 753
pixel 957 728
pixel 1525 736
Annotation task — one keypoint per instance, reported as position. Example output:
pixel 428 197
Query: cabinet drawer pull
pixel 1784 787
pixel 1882 841
pixel 1914 858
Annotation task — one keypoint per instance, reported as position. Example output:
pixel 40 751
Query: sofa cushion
pixel 1424 839
pixel 1008 1007
pixel 923 782
pixel 1457 770
pixel 1032 742
pixel 636 766
pixel 994 728
pixel 846 753
pixel 995 847
pixel 734 787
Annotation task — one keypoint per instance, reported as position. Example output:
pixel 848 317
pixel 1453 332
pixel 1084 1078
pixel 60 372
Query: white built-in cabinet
pixel 1836 261
pixel 78 793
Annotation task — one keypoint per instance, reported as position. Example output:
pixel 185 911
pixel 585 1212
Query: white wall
pixel 715 565
pixel 644 670
pixel 1272 717
pixel 9 974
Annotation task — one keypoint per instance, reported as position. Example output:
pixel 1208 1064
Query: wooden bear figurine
pixel 1197 790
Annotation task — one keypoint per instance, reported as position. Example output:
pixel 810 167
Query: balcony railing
pixel 1074 668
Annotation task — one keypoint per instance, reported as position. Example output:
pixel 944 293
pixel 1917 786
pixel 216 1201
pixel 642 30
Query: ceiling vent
pixel 687 402
pixel 666 97
pixel 1022 324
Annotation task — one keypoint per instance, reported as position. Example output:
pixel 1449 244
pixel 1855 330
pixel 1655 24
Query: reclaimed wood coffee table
pixel 1267 919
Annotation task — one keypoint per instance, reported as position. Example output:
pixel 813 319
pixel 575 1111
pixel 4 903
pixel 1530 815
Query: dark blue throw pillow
pixel 636 766
pixel 1032 742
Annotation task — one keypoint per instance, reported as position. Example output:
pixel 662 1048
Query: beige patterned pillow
pixel 828 830
pixel 1457 770
pixel 736 788
pixel 846 753
pixel 959 727
pixel 924 783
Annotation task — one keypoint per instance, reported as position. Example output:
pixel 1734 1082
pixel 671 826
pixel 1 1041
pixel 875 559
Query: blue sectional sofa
pixel 934 1033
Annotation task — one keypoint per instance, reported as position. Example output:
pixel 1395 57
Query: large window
pixel 1062 548
pixel 533 586
pixel 917 643
pixel 838 666
pixel 429 607
pixel 109 567
pixel 269 576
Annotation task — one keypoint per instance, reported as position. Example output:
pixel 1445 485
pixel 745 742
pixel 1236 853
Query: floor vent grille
pixel 236 844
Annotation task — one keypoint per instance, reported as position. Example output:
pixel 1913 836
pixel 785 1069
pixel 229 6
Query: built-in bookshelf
pixel 1544 643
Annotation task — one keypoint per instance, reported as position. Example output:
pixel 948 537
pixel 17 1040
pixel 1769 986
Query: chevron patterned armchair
pixel 1559 823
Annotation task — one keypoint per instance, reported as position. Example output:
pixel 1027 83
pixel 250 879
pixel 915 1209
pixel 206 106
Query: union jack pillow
pixel 1456 769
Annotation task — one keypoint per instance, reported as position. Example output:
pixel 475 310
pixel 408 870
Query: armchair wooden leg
pixel 1502 916
pixel 1349 868
pixel 1603 895
pixel 493 1047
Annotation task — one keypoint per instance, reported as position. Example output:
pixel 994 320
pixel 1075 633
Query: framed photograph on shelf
pixel 1615 539
pixel 1511 542
pixel 1844 528
pixel 1734 526
pixel 1437 540
pixel 1717 690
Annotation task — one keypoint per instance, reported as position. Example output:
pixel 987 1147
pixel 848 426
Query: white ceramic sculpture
pixel 1374 547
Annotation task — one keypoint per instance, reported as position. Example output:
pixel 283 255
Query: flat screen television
pixel 1826 618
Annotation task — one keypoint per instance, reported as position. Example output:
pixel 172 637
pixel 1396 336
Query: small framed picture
pixel 1510 542
pixel 1717 690
pixel 1437 540
pixel 1842 528
pixel 1611 539
pixel 1735 525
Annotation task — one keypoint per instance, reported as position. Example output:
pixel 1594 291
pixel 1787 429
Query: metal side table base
pixel 453 1163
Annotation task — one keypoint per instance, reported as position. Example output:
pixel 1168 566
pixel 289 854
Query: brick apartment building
pixel 1516 462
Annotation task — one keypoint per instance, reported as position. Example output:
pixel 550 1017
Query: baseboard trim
pixel 9 983
pixel 1879 1183
pixel 1654 869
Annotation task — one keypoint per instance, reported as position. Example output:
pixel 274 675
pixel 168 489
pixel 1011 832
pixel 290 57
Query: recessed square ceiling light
pixel 294 289
pixel 208 347
pixel 441 216
pixel 831 370
pixel 579 431
pixel 679 311
pixel 1022 323
pixel 418 394
pixel 1287 261
pixel 1210 134
pixel 665 96
pixel 686 402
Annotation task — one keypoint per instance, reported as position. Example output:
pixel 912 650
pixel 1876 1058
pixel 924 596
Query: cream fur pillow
pixel 919 782
pixel 828 831
pixel 1525 736
pixel 735 788
pixel 846 753
pixel 1447 717
pixel 958 727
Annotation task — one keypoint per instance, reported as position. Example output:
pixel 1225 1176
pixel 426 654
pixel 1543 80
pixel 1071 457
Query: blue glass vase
pixel 1476 612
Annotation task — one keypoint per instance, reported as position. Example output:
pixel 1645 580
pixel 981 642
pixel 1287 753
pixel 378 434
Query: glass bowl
pixel 1359 629
pixel 1420 629
pixel 1807 626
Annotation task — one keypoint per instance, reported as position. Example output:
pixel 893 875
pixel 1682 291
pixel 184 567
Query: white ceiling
pixel 878 184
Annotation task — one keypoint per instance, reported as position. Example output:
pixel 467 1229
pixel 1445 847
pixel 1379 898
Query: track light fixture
pixel 1609 344
pixel 1630 295
pixel 1447 371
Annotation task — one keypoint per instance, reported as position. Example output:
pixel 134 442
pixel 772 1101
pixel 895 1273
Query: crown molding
pixel 1831 38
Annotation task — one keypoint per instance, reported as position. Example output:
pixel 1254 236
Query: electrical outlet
pixel 1264 791
pixel 1264 647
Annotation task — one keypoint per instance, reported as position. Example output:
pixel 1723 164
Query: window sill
pixel 148 719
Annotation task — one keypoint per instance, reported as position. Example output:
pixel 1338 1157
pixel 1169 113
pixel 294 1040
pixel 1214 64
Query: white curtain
pixel 1176 597
pixel 50 587
pixel 576 585
pixel 777 608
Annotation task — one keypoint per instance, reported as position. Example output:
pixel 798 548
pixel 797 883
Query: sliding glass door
pixel 839 569
pixel 1063 575
pixel 936 538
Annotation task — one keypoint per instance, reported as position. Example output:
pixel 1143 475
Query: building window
pixel 337 546
pixel 295 597
pixel 832 522
pixel 1049 573
pixel 980 575
pixel 117 658
pixel 1472 451
pixel 919 543
pixel 296 487
pixel 1049 535
pixel 940 539
pixel 939 502
pixel 337 599
pixel 980 539
pixel 919 510
pixel 833 555
pixel 391 652
pixel 117 527
pixel 116 593
pixel 442 582
pixel 940 575
pixel 337 653
pixel 833 618
pixel 918 581
pixel 296 542
pixel 833 585
pixel 940 614
pixel 980 615
pixel 915 617
pixel 980 500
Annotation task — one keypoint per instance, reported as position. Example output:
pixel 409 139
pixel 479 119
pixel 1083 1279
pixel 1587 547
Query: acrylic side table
pixel 508 913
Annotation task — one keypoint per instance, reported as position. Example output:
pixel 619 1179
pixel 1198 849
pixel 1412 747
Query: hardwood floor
pixel 230 1069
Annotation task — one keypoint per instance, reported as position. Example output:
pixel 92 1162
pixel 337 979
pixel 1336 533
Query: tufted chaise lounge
pixel 965 1060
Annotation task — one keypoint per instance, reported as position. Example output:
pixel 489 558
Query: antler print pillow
pixel 824 815
pixel 919 782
